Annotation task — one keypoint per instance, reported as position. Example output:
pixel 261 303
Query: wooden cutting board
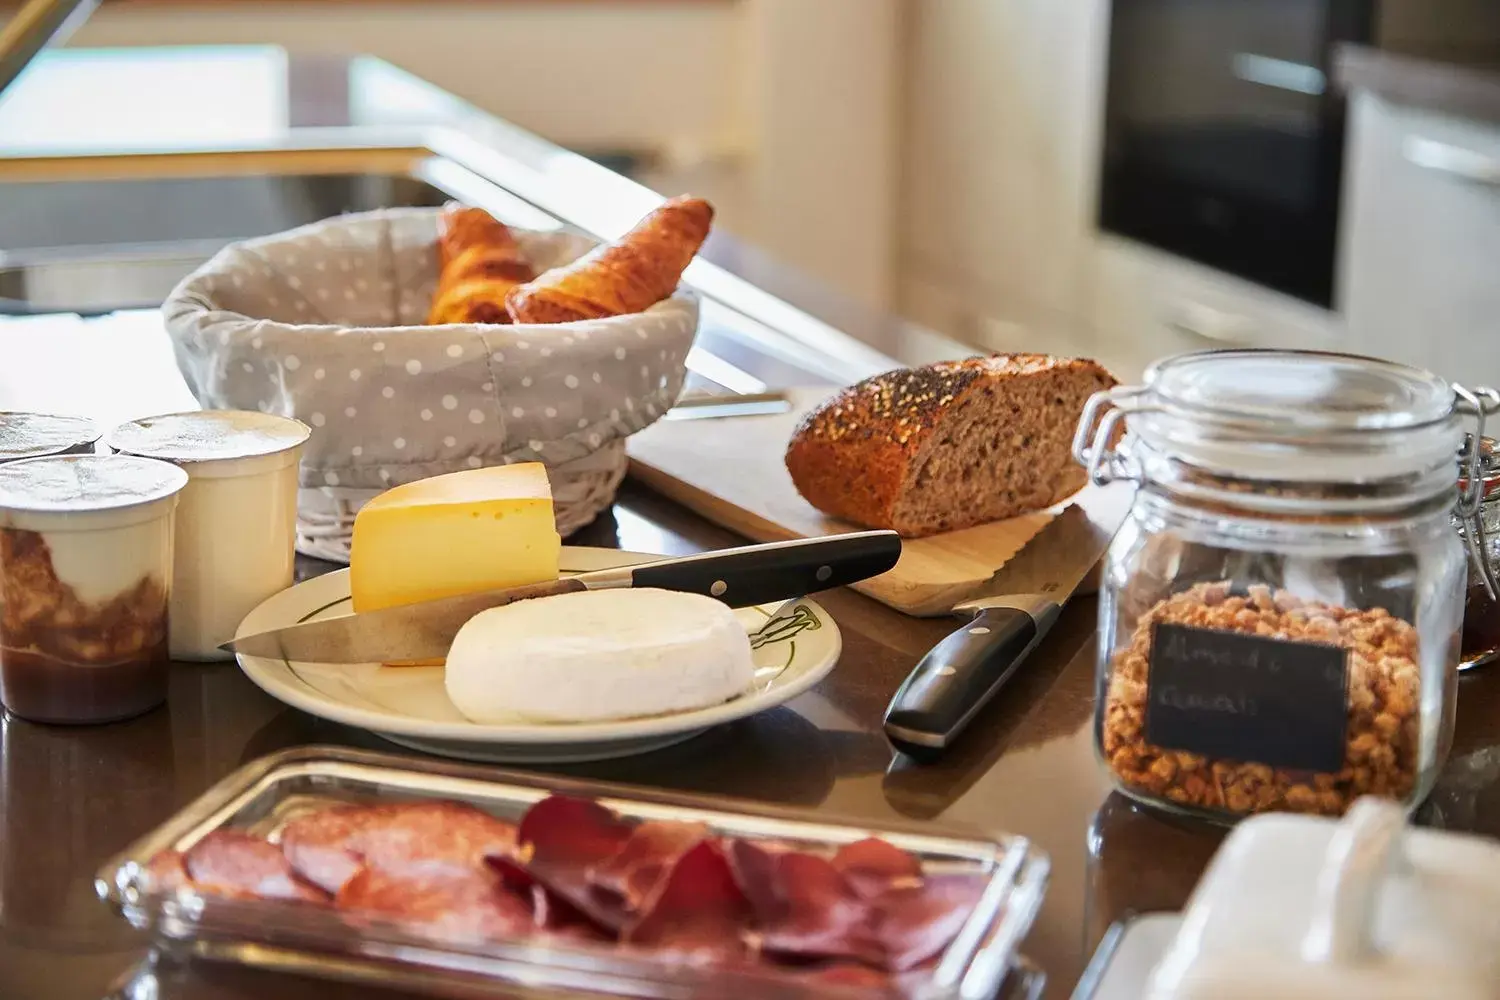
pixel 730 470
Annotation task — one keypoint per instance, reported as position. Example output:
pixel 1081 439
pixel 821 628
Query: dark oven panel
pixel 1224 137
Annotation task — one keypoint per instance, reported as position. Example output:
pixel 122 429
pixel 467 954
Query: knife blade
pixel 740 577
pixel 1012 615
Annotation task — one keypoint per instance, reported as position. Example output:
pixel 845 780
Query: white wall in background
pixel 824 119
pixel 999 161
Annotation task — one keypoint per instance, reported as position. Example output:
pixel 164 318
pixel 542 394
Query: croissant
pixel 481 262
pixel 628 276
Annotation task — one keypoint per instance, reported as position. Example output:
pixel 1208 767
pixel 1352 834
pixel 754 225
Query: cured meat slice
pixel 634 871
pixel 432 836
pixel 873 865
pixel 330 846
pixel 234 863
pixel 549 911
pixel 560 839
pixel 804 906
pixel 317 845
pixel 698 913
pixel 468 907
pixel 915 923
pixel 167 871
pixel 849 974
pixel 561 831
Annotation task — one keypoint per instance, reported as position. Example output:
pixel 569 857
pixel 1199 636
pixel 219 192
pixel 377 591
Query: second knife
pixel 740 577
pixel 967 669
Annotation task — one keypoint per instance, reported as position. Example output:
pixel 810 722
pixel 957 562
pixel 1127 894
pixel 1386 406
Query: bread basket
pixel 325 323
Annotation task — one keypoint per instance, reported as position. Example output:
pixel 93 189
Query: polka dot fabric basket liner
pixel 325 323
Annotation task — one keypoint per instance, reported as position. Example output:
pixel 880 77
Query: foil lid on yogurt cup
pixel 79 484
pixel 36 435
pixel 209 436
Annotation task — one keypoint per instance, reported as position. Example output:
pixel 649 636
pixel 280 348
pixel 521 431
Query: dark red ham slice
pixel 559 840
pixel 328 847
pixel 634 871
pixel 697 913
pixel 915 923
pixel 561 831
pixel 233 863
pixel 803 905
pixel 454 907
pixel 549 911
pixel 873 865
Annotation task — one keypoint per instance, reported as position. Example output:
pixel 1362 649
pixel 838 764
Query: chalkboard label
pixel 1247 698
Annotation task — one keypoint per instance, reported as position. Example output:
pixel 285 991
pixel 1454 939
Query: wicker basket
pixel 324 323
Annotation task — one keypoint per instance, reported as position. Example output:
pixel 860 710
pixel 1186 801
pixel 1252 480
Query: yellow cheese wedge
pixel 455 534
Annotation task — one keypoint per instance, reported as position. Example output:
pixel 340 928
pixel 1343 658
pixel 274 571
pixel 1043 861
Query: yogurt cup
pixel 86 573
pixel 37 435
pixel 237 523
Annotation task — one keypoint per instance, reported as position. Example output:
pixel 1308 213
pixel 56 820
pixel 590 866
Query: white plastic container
pixel 37 435
pixel 237 524
pixel 1359 909
pixel 86 573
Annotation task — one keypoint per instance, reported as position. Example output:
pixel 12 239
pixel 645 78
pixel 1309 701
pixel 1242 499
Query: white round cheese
pixel 598 655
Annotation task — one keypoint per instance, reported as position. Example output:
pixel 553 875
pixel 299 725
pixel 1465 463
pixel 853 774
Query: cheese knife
pixel 740 577
pixel 1017 608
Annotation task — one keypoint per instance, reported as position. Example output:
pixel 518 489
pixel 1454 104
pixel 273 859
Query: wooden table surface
pixel 69 797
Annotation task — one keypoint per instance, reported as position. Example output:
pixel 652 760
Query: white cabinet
pixel 1148 304
pixel 1420 274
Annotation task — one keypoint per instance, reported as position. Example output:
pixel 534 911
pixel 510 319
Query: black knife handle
pixel 960 675
pixel 760 574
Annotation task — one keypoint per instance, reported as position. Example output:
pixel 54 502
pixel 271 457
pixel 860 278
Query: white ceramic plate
pixel 409 706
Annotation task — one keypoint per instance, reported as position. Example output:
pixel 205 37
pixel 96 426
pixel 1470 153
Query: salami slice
pixel 317 844
pixel 432 836
pixel 167 871
pixel 330 846
pixel 233 863
pixel 457 908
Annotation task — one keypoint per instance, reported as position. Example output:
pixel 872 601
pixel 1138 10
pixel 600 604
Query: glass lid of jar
pixel 1304 416
pixel 1300 390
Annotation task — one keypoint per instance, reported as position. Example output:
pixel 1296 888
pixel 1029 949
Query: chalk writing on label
pixel 1229 695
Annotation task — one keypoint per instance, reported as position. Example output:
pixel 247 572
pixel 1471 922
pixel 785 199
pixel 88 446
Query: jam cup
pixel 86 575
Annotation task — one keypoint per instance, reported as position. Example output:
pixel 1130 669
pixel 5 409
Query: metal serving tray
pixel 261 796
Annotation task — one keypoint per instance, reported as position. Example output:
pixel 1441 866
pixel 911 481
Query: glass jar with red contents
pixel 1479 483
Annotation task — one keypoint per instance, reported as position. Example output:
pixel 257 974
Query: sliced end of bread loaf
pixel 1002 449
pixel 949 445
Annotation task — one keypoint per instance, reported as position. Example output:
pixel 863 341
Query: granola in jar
pixel 1381 734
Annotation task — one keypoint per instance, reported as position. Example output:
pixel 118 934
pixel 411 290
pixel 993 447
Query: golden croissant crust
pixel 480 264
pixel 629 276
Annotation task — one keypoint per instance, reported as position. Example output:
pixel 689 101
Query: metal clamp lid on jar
pixel 1479 478
pixel 1240 409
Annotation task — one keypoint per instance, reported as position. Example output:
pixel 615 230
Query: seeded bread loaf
pixel 947 446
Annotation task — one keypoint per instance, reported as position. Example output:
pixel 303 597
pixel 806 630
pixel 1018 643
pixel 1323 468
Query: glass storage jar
pixel 1279 614
pixel 1481 634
